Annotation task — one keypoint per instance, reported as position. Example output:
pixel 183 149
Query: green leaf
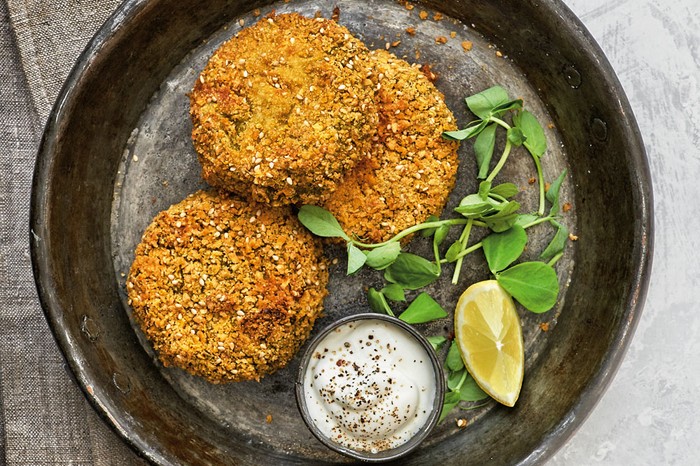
pixel 532 284
pixel 473 128
pixel 558 242
pixel 411 271
pixel 473 206
pixel 436 341
pixel 484 190
pixel 509 207
pixel 483 103
pixel 506 190
pixel 423 309
pixel 441 234
pixel 394 292
pixel 455 379
pixel 516 104
pixel 553 193
pixel 535 141
pixel 502 249
pixel 383 256
pixel 471 391
pixel 463 383
pixel 320 222
pixel 453 251
pixel 504 218
pixel 524 219
pixel 498 223
pixel 450 401
pixel 429 231
pixel 453 361
pixel 377 302
pixel 356 259
pixel 516 136
pixel 483 149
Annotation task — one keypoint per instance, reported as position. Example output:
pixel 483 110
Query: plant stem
pixel 461 381
pixel 463 238
pixel 469 408
pixel 497 197
pixel 411 230
pixel 501 162
pixel 540 181
pixel 436 251
pixel 500 122
pixel 478 245
pixel 555 259
pixel 538 221
pixel 469 250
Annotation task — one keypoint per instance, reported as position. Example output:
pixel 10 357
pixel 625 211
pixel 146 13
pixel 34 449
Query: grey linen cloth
pixel 50 34
pixel 44 418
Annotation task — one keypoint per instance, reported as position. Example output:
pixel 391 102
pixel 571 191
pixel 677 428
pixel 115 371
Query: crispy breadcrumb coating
pixel 226 289
pixel 283 110
pixel 412 169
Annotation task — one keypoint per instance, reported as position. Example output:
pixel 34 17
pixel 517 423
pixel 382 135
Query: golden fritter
pixel 226 289
pixel 283 110
pixel 412 169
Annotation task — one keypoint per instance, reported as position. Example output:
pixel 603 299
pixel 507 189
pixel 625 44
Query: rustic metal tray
pixel 117 150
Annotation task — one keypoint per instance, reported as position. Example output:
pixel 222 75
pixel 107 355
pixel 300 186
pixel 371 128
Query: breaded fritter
pixel 412 169
pixel 283 110
pixel 226 289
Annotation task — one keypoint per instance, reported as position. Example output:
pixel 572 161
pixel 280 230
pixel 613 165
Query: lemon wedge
pixel 490 339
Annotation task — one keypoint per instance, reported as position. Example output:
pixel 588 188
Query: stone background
pixel 649 415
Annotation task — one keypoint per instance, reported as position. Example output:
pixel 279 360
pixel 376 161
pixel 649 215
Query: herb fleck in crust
pixel 227 290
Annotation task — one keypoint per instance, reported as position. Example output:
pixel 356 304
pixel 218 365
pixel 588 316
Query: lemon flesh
pixel 490 339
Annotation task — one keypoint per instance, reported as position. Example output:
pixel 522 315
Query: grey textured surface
pixel 50 34
pixel 649 414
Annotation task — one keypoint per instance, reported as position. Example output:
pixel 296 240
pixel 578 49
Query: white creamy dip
pixel 369 385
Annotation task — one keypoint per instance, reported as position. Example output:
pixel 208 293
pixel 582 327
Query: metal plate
pixel 117 150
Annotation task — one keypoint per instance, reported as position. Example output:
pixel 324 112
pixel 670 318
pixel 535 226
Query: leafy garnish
pixel 453 361
pixel 320 222
pixel 532 284
pixel 382 257
pixel 437 341
pixel 394 292
pixel 377 301
pixel 411 271
pixel 483 149
pixel 502 249
pixel 553 194
pixel 460 384
pixel 557 244
pixel 505 190
pixel 423 309
pixel 449 402
pixel 356 259
pixel 484 103
pixel 534 139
